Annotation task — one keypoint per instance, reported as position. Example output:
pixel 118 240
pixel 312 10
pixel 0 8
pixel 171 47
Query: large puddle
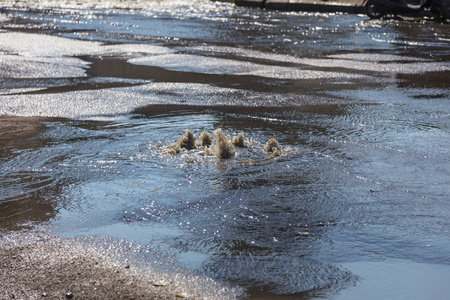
pixel 94 97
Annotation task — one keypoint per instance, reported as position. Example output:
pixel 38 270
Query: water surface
pixel 92 96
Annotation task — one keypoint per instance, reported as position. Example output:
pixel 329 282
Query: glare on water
pixel 254 153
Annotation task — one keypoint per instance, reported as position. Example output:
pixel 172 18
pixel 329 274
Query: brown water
pixel 354 204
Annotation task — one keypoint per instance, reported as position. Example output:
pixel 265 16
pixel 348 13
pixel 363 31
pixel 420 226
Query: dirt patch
pixel 63 269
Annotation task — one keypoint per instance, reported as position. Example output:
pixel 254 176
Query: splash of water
pixel 272 146
pixel 204 139
pixel 221 146
pixel 187 141
pixel 238 141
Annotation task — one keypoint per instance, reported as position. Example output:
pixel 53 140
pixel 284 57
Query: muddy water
pixel 92 97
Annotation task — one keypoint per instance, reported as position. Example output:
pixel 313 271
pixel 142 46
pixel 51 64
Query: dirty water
pixel 353 204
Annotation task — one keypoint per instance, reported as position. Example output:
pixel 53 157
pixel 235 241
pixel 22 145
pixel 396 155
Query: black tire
pixel 439 12
pixel 374 10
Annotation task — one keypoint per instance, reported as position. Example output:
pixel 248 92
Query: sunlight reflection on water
pixel 363 114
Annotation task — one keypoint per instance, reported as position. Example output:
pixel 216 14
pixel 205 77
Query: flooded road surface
pixel 353 205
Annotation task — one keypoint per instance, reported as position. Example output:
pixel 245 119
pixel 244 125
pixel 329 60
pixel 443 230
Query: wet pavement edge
pixel 346 6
